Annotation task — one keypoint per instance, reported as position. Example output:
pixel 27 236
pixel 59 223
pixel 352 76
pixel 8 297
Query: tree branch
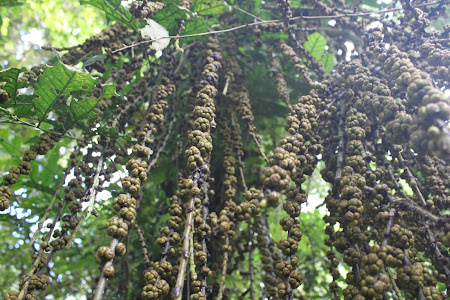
pixel 346 15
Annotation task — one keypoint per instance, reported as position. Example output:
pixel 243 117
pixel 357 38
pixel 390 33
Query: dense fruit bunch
pixel 377 126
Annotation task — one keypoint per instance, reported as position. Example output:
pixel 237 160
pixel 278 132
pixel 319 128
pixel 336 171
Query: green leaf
pixel 328 61
pixel 206 13
pixel 84 108
pixel 10 3
pixel 34 183
pixel 114 11
pixel 47 175
pixel 198 26
pixel 109 91
pixel 198 19
pixel 58 81
pixel 11 76
pixel 108 131
pixel 296 3
pixel 93 60
pixel 208 7
pixel 169 15
pixel 316 45
pixel 23 106
pixel 376 3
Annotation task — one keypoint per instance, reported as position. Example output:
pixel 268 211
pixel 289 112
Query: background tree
pixel 224 150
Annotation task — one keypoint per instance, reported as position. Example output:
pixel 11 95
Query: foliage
pixel 26 27
pixel 208 149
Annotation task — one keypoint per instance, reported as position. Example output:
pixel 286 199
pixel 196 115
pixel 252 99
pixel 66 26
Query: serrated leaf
pixel 84 108
pixel 24 107
pixel 328 61
pixel 58 81
pixel 197 26
pixel 201 16
pixel 208 7
pixel 80 110
pixel 169 15
pixel 198 19
pixel 114 11
pixel 206 12
pixel 11 76
pixel 108 131
pixel 316 45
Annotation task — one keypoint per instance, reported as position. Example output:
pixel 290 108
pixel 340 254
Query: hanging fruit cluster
pixel 138 168
pixel 44 144
pixel 377 125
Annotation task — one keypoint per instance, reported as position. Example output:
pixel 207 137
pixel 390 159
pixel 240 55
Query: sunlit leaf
pixel 10 3
pixel 57 82
pixel 10 77
pixel 84 108
pixel 376 3
pixel 93 60
pixel 316 45
pixel 114 11
pixel 169 15
pixel 207 7
pixel 328 61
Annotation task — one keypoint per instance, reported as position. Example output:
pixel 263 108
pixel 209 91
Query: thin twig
pixel 102 281
pixel 120 14
pixel 398 293
pixel 341 147
pixel 11 145
pixel 413 207
pixel 438 40
pixel 141 238
pixel 347 15
pixel 412 180
pixel 205 213
pixel 241 171
pixel 163 145
pixel 258 145
pixel 244 11
pixel 224 270
pixel 387 232
pixel 250 262
pixel 52 202
pixel 21 122
pixel 34 266
pixel 177 292
pixel 235 124
pixel 90 208
pixel 437 252
pixel 192 266
pixel 126 270
pixel 50 48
